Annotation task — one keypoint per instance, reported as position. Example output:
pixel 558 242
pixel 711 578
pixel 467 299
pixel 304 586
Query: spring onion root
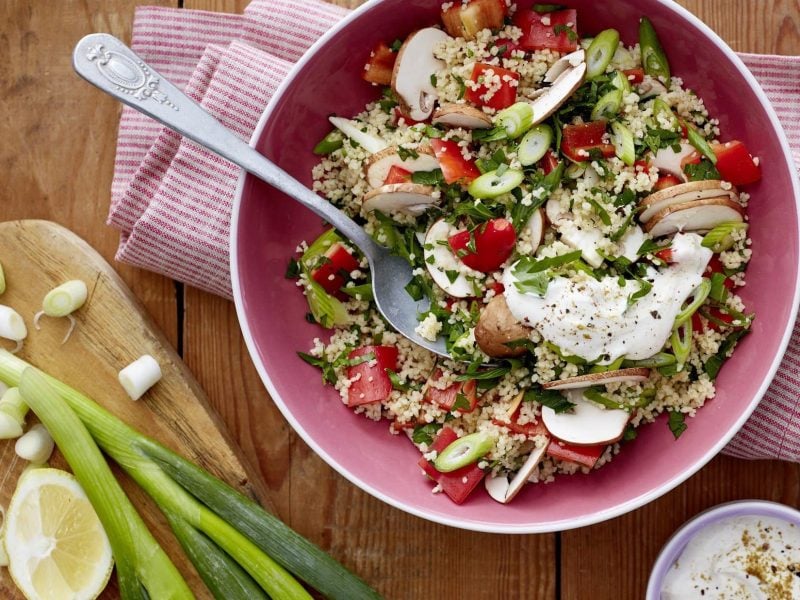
pixel 3 555
pixel 36 445
pixel 12 414
pixel 140 376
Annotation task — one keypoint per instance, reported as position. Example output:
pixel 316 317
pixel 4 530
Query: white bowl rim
pixel 553 526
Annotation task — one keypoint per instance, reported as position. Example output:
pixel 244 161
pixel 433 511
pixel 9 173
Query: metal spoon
pixel 106 62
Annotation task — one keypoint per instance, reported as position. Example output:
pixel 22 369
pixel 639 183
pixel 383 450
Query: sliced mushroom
pixel 666 159
pixel 461 115
pixel 555 215
pixel 699 215
pixel 650 88
pixel 378 165
pixel 583 381
pixel 442 263
pixel 535 227
pixel 571 60
pixel 502 490
pixel 684 192
pixel 413 71
pixel 587 424
pixel 546 103
pixel 496 327
pixel 409 198
pixel 352 129
pixel 512 408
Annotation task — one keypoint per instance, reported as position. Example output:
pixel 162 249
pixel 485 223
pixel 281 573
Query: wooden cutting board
pixel 113 330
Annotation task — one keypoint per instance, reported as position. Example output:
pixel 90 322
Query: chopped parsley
pixel 676 423
pixel 532 275
pixel 701 171
pixel 424 434
pixel 556 401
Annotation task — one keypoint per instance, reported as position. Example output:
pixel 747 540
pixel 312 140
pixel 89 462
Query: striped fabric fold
pixel 171 200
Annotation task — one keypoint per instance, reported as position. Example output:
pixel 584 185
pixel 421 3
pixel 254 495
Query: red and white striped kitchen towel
pixel 171 200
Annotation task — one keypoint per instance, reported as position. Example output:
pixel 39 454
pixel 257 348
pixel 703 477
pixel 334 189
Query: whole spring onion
pixel 720 238
pixel 12 414
pixel 608 105
pixel 36 445
pixel 622 139
pixel 700 144
pixel 516 119
pixel 534 145
pixel 698 297
pixel 495 183
pixel 654 59
pixel 200 508
pixel 681 341
pixel 62 301
pixel 600 52
pixel 464 451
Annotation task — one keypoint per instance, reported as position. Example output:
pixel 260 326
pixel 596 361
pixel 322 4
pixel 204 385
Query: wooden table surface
pixel 57 152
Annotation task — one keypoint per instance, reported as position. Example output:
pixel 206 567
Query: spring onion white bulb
pixel 140 376
pixel 12 414
pixel 62 301
pixel 3 555
pixel 36 445
pixel 12 327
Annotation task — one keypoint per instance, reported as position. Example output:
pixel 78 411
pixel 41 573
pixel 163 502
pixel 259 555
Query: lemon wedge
pixel 56 546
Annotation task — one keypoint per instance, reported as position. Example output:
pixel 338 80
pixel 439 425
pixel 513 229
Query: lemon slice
pixel 56 546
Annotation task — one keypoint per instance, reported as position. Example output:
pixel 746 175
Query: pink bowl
pixel 267 226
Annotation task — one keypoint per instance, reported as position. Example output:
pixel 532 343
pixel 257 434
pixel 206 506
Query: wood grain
pixel 57 156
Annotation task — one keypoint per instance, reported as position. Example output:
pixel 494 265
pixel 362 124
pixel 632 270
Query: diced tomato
pixel 455 168
pixel 642 164
pixel 498 288
pixel 665 181
pixel 447 397
pixel 665 255
pixel 380 65
pixel 399 114
pixel 335 268
pixel 634 75
pixel 495 240
pixel 539 30
pixel 397 175
pixel 548 162
pixel 467 19
pixel 735 164
pixel 578 141
pixel 529 429
pixel 505 47
pixel 583 455
pixel 503 96
pixel 459 484
pixel 374 384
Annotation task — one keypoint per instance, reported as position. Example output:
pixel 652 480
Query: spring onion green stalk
pixel 670 121
pixel 534 145
pixel 600 52
pixel 720 238
pixel 192 498
pixel 141 563
pixel 495 183
pixel 622 139
pixel 464 451
pixel 681 340
pixel 698 297
pixel 654 59
pixel 609 367
pixel 2 281
pixel 320 246
pixel 12 414
pixel 140 376
pixel 621 82
pixel 331 142
pixel 608 105
pixel 516 119
pixel 327 310
pixel 36 445
pixel 700 144
pixel 662 359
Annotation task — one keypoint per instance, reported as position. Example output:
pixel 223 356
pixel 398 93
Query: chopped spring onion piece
pixel 720 238
pixel 534 145
pixel 12 327
pixel 575 170
pixel 464 451
pixel 654 60
pixel 622 139
pixel 65 299
pixel 140 376
pixel 320 246
pixel 36 445
pixel 661 108
pixel 600 52
pixel 662 359
pixel 2 287
pixel 700 144
pixel 190 497
pixel 331 142
pixel 12 414
pixel 3 555
pixel 699 296
pixel 682 343
pixel 493 184
pixel 620 81
pixel 327 310
pixel 352 129
pixel 608 105
pixel 516 119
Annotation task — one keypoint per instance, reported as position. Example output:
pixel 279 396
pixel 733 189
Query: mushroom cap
pixel 377 166
pixel 496 326
pixel 461 115
pixel 409 198
pixel 587 424
pixel 535 227
pixel 573 59
pixel 590 379
pixel 681 193
pixel 525 471
pixel 411 77
pixel 439 259
pixel 666 159
pixel 698 215
pixel 563 87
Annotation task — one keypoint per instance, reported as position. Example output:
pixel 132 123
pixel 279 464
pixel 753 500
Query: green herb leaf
pixel 396 383
pixel 701 171
pixel 571 33
pixel 396 45
pixel 433 178
pixel 549 398
pixel 493 373
pixel 595 395
pixel 644 289
pixel 651 247
pixel 531 274
pixel 406 153
pixel 546 8
pixel 292 269
pixel 364 291
pixel 418 288
pixel 461 403
pixel 676 423
pixel 425 434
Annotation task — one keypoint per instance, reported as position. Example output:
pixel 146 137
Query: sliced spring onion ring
pixel 331 142
pixel 516 119
pixel 622 139
pixel 620 81
pixel 493 184
pixel 608 105
pixel 464 451
pixel 600 52
pixel 720 238
pixel 140 376
pixel 12 414
pixel 36 445
pixel 534 145
pixel 662 359
pixel 662 108
pixel 698 297
pixel 700 144
pixel 654 60
pixel 682 343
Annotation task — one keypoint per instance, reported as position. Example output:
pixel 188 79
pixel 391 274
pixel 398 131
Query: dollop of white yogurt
pixel 592 319
pixel 750 557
